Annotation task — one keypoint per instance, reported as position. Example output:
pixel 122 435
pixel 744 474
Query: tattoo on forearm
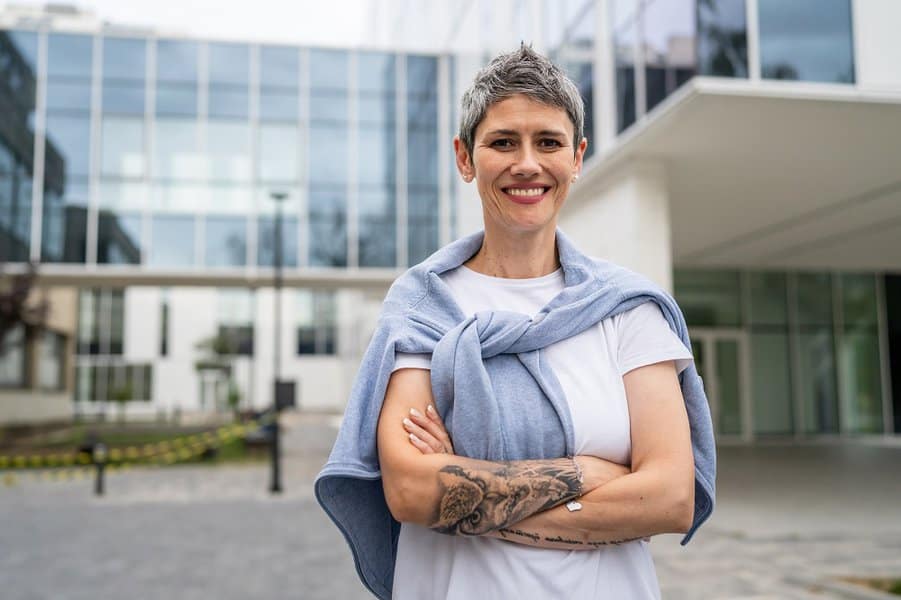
pixel 475 501
pixel 535 539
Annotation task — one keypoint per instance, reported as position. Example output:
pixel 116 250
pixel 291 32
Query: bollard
pixel 99 455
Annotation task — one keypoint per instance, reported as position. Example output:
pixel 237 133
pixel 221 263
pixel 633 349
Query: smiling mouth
pixel 532 192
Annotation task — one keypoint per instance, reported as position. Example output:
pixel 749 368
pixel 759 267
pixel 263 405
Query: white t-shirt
pixel 436 566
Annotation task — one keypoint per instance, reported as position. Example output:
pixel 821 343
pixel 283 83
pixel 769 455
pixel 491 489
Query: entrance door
pixel 721 357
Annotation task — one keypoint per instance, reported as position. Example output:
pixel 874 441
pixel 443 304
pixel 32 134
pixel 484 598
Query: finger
pixel 423 435
pixel 441 433
pixel 420 445
pixel 435 430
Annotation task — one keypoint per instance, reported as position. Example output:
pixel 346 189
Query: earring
pixel 575 177
pixel 467 178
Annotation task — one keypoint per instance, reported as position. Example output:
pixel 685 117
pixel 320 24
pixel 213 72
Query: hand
pixel 427 432
pixel 597 471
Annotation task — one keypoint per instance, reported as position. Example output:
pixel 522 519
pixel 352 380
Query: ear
pixel 580 154
pixel 464 160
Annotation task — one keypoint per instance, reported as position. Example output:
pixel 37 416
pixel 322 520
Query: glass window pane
pixel 860 377
pixel 377 229
pixel 229 63
pixel 376 72
pixel 768 299
pixel 175 149
pixel 771 383
pixel 807 40
pixel 64 223
pixel 118 238
pixel 123 98
pixel 51 358
pixel 328 228
pixel 12 365
pixel 124 58
pixel 228 151
pixel 69 95
pixel 278 153
pixel 229 102
pixel 722 44
pixel 176 61
pixel 279 66
pixel 69 55
pixel 173 241
pixel 122 147
pixel 582 75
pixel 377 161
pixel 70 137
pixel 279 105
pixel 266 241
pixel 624 34
pixel 328 69
pixel 176 100
pixel 669 42
pixel 328 154
pixel 859 300
pixel 729 386
pixel 709 298
pixel 814 299
pixel 226 242
pixel 818 389
pixel 422 224
pixel 15 207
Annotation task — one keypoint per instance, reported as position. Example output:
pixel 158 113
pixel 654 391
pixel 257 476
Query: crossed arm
pixel 521 501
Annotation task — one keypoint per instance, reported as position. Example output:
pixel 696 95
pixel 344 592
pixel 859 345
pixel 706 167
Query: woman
pixel 528 414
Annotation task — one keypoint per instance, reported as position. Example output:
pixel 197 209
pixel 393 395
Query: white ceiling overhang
pixel 772 174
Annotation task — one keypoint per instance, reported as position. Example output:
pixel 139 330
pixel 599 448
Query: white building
pixel 746 151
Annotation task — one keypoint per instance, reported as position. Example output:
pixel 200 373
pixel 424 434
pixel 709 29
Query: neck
pixel 523 256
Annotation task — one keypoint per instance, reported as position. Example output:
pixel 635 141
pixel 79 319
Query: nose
pixel 526 162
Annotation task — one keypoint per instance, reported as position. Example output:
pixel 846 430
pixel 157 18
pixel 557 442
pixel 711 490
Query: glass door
pixel 721 359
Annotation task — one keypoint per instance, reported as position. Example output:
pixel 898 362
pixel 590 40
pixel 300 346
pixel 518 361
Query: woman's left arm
pixel 657 496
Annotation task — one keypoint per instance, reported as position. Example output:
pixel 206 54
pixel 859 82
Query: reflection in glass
pixel 69 55
pixel 729 386
pixel 279 105
pixel 226 242
pixel 69 95
pixel 816 346
pixel 582 74
pixel 317 318
pixel 771 383
pixel 229 102
pixel 176 61
pixel 124 58
pixel 328 154
pixel 266 241
pixel 278 160
pixel 228 151
pixel 669 47
pixel 118 238
pixel 768 299
pixel 328 70
pixel 12 367
pixel 859 355
pixel 709 298
pixel 625 34
pixel 175 153
pixel 328 227
pixel 722 44
pixel 806 40
pixel 173 241
pixel 279 66
pixel 18 50
pixel 235 315
pixel 122 147
pixel 229 63
pixel 422 157
pixel 377 162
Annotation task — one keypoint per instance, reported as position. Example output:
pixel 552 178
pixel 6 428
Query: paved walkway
pixel 790 521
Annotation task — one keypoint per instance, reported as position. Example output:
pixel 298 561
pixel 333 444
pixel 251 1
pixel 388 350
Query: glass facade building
pixel 158 157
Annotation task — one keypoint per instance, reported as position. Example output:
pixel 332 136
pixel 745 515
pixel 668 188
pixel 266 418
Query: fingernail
pixel 430 409
pixel 408 422
pixel 414 438
pixel 415 412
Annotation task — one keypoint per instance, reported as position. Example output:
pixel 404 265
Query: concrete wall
pixel 624 220
pixel 19 407
pixel 877 48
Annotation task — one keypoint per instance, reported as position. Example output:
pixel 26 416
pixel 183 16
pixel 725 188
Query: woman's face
pixel 523 163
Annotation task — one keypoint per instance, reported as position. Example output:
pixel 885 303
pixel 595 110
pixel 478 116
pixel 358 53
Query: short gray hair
pixel 521 71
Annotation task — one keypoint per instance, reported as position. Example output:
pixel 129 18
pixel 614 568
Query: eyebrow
pixel 544 132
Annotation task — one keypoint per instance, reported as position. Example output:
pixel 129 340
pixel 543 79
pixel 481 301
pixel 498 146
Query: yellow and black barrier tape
pixel 66 466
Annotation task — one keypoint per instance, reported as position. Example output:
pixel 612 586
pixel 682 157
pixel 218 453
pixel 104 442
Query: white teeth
pixel 525 192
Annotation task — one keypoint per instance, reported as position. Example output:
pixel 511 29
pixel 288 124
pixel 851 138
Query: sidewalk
pixel 789 519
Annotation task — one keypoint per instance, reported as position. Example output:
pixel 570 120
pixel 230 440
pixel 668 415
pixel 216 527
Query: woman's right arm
pixel 462 496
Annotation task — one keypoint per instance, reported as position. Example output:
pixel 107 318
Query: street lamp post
pixel 275 485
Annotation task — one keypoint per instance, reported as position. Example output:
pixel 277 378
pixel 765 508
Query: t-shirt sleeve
pixel 406 360
pixel 645 338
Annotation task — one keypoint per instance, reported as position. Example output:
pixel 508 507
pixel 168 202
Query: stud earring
pixel 575 177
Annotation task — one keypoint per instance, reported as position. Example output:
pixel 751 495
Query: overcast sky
pixel 319 22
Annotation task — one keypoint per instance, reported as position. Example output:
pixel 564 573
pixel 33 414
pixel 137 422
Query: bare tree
pixel 15 308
